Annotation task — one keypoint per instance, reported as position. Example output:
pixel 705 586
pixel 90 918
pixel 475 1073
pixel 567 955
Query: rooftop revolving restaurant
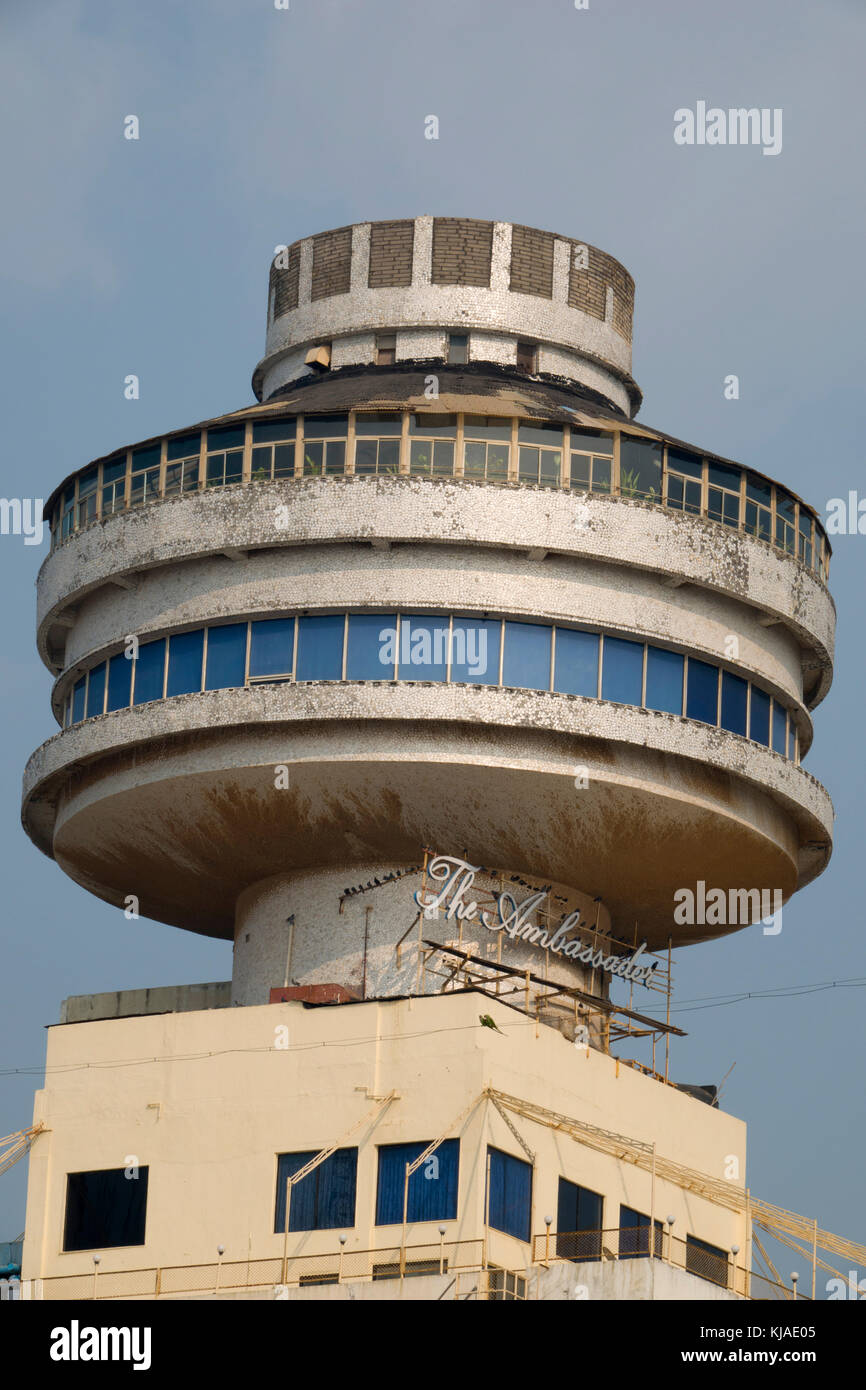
pixel 442 576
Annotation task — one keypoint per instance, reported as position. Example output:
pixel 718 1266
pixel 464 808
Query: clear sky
pixel 259 126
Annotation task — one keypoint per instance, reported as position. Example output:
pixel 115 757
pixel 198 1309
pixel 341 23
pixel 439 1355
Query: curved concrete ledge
pixel 408 510
pixel 429 760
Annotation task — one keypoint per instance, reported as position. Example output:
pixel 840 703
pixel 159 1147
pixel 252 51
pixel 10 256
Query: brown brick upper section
pixel 332 263
pixel 391 245
pixel 532 261
pixel 462 251
pixel 284 281
pixel 587 289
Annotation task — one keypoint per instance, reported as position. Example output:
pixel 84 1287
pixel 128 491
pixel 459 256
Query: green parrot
pixel 487 1022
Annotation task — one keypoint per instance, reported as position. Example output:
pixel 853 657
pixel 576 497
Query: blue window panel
pixel 149 671
pixel 432 1187
pixel 510 1196
pixel 423 652
pixel 475 650
pixel 372 648
pixel 320 648
pixel 228 437
pixel 274 431
pixel 734 692
pixel 526 661
pixel 622 671
pixel 578 1222
pixel 185 653
pixel 324 1199
pixel 226 656
pixel 759 717
pixel 792 740
pixel 634 1235
pixel 664 680
pixel 576 662
pixel 96 690
pixel 779 731
pixel 78 700
pixel 702 697
pixel 119 681
pixel 272 647
pixel 104 1209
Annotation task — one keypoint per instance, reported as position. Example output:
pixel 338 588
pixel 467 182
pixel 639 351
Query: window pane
pixel 526 662
pixel 372 646
pixel 324 1199
pixel 578 1222
pixel 779 729
pixel 664 680
pixel 528 465
pixel 271 647
pixel 78 699
pixel 792 739
pixel 105 1209
pixel 432 1191
pixel 622 671
pixel 184 663
pixel 474 457
pixel 592 441
pixel 576 662
pixel 486 427
pixel 549 472
pixel 325 426
pixel 640 468
pixel 145 458
pixel 702 701
pixel 183 447
pixel 510 1194
pixel 758 489
pixel 378 423
pixel 442 426
pixel 389 456
pixel 226 656
pixel 734 690
pixel 580 466
pixel 421 456
pixel 320 648
pixel 550 437
pixel 497 461
pixel 723 475
pixel 272 431
pixel 96 690
pixel 423 648
pixel 119 681
pixel 335 459
pixel 475 650
pixel 114 469
pixel 759 717
pixel 234 467
pixel 601 475
pixel 313 457
pixel 228 437
pixel 443 458
pixel 284 460
pixel 683 461
pixel 149 670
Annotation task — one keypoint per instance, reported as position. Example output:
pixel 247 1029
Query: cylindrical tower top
pixel 452 291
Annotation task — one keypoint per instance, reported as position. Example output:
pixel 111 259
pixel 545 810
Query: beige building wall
pixel 207 1100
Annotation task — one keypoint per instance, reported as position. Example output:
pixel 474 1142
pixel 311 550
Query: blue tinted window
pixel 779 730
pixel 325 426
pixel 792 740
pixel 183 447
pixel 664 680
pixel 759 717
pixel 510 1194
pixel 475 650
pixel 622 671
pixel 734 691
pixel 229 437
pixel 324 1199
pixel 576 662
pixel 184 663
pixel 372 648
pixel 226 656
pixel 320 648
pixel 432 1192
pixel 702 699
pixel 96 690
pixel 423 648
pixel 271 647
pixel 119 681
pixel 526 660
pixel 149 669
pixel 78 699
pixel 273 431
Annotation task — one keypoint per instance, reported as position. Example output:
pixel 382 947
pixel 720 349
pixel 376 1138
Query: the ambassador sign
pixel 456 878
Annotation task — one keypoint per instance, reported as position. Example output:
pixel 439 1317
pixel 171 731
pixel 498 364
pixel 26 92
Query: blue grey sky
pixel 259 126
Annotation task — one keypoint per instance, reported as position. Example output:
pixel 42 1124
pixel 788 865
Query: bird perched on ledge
pixel 487 1022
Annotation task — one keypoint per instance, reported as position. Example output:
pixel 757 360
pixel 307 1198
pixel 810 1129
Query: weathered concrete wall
pixel 162 999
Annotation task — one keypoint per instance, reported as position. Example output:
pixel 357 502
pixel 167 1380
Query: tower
pixel 446 691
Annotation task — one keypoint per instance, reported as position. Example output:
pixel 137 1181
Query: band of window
pixel 432 647
pixel 479 448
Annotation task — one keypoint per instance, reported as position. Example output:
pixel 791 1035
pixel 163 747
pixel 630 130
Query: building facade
pixel 457 700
